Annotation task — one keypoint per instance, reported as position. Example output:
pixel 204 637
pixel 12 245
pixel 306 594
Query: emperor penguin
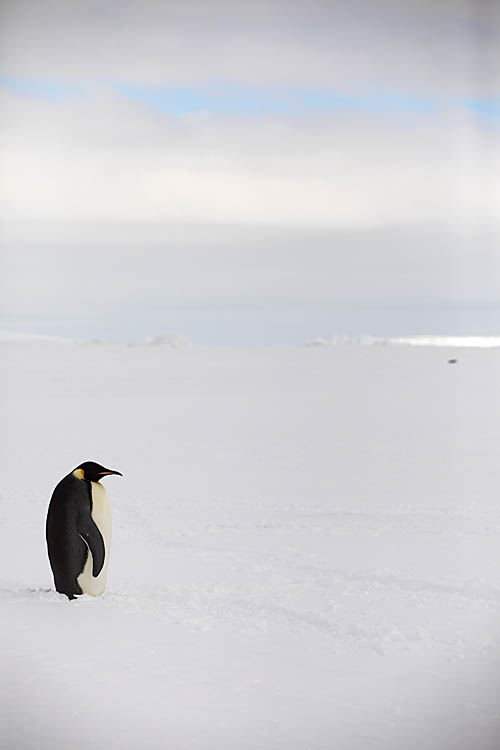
pixel 78 531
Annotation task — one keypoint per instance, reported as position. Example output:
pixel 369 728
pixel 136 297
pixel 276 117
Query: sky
pixel 250 173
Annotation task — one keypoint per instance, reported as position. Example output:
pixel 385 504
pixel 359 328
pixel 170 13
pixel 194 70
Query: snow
pixel 305 548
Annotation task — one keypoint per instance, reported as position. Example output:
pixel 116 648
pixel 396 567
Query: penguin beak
pixel 109 471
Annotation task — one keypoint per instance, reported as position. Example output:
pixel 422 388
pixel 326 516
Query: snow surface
pixel 305 549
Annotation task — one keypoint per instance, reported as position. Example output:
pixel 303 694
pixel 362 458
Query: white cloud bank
pixel 100 156
pixel 103 158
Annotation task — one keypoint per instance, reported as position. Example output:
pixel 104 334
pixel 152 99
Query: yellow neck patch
pixel 78 473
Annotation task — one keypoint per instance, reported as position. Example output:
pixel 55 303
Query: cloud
pixel 243 284
pixel 427 47
pixel 330 114
pixel 275 161
pixel 105 157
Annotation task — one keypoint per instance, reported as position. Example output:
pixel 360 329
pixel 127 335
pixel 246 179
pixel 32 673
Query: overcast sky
pixel 250 172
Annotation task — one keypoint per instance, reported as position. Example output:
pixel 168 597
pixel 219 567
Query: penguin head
pixel 93 472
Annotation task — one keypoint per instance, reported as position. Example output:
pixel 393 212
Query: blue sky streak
pixel 237 100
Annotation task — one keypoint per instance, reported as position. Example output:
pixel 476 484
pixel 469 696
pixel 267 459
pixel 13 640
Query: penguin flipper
pixel 89 532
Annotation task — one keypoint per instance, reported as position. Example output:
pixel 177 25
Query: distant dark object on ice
pixel 452 361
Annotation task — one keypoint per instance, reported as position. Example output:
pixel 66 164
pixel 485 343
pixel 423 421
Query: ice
pixel 462 342
pixel 305 548
pixel 175 341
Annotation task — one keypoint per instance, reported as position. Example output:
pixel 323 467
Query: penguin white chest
pixel 101 514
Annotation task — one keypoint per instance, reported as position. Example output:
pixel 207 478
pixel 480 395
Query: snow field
pixel 305 548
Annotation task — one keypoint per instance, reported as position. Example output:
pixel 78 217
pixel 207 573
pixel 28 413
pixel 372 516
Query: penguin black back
pixel 73 536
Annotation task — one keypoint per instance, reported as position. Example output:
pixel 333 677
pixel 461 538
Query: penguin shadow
pixel 45 594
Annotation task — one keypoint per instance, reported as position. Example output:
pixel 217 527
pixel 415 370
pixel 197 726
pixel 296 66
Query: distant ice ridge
pixel 174 340
pixel 364 340
pixel 482 342
pixel 168 340
pixel 9 337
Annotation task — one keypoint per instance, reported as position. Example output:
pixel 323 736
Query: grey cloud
pixel 242 264
pixel 243 284
pixel 445 48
